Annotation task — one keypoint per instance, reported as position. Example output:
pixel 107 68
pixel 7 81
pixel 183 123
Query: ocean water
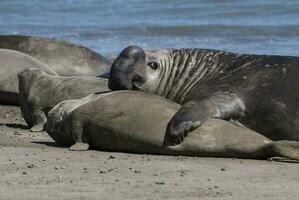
pixel 255 26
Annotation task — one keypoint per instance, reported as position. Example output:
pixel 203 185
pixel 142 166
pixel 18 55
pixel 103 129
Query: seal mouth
pixel 137 82
pixel 136 86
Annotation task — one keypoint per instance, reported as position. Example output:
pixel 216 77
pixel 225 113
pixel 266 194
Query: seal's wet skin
pixel 40 92
pixel 256 91
pixel 136 125
pixel 65 58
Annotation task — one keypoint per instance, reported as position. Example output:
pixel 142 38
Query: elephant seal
pixel 259 92
pixel 65 58
pixel 137 125
pixel 11 63
pixel 40 92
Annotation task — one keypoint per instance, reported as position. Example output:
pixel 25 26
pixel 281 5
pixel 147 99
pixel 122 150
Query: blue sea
pixel 255 26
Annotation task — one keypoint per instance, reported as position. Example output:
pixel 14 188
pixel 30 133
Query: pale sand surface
pixel 33 167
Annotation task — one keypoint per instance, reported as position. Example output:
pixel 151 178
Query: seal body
pixel 11 63
pixel 40 92
pixel 137 125
pixel 257 91
pixel 65 58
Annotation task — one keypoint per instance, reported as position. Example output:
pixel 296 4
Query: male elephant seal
pixel 65 58
pixel 258 91
pixel 107 122
pixel 40 92
pixel 11 63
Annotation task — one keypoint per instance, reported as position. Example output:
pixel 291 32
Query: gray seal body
pixel 11 63
pixel 40 92
pixel 260 92
pixel 135 122
pixel 65 58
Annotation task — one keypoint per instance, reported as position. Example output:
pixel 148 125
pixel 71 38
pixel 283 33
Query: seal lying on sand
pixel 40 92
pixel 11 63
pixel 65 58
pixel 137 125
pixel 260 92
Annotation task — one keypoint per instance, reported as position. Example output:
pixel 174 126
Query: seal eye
pixel 153 65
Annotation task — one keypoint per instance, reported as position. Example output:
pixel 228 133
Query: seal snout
pixel 119 84
pixel 122 70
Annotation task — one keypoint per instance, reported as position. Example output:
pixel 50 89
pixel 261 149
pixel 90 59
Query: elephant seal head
pixel 170 73
pixel 136 69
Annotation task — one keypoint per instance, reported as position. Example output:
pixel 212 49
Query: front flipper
pixel 222 105
pixel 79 146
pixel 37 127
pixel 39 120
pixel 80 137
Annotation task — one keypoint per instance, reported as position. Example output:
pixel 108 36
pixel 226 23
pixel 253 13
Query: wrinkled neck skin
pixel 181 69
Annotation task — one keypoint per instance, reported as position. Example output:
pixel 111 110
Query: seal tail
pixel 284 151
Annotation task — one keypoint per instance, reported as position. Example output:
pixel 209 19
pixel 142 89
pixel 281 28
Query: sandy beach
pixel 34 167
